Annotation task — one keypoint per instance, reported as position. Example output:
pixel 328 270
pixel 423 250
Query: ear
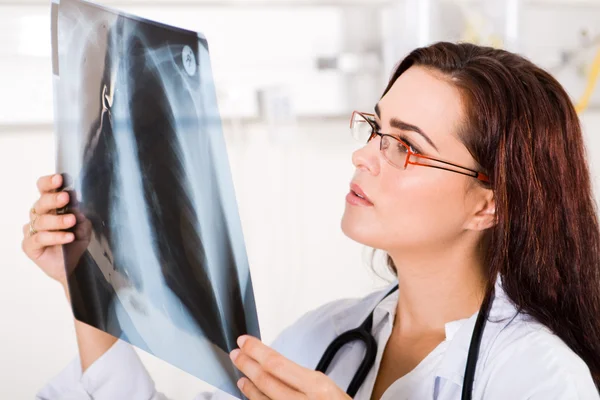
pixel 483 214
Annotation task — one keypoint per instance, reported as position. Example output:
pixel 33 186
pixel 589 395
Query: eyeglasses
pixel 396 151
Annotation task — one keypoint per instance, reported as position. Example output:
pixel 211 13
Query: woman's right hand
pixel 44 245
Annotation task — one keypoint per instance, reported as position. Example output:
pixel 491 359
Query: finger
pixel 34 246
pixel 264 381
pixel 274 363
pixel 44 239
pixel 73 202
pixel 50 222
pixel 250 390
pixel 51 201
pixel 48 183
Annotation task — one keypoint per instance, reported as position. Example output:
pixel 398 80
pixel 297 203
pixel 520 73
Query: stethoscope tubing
pixel 363 333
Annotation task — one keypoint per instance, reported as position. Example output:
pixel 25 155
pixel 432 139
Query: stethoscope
pixel 363 334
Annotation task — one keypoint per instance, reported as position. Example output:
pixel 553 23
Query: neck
pixel 438 287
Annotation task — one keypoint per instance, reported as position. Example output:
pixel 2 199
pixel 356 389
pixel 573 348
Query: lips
pixel 356 191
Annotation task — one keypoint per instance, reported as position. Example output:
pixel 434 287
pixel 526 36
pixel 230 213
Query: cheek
pixel 428 211
pixel 409 212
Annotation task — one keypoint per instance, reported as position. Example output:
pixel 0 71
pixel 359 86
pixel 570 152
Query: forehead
pixel 423 98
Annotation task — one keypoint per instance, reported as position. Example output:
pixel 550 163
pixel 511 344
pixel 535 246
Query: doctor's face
pixel 416 207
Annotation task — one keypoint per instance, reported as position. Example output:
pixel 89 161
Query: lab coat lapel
pixel 352 317
pixel 306 340
pixel 346 362
pixel 451 371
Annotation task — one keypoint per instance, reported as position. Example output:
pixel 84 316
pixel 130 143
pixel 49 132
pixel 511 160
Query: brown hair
pixel 522 129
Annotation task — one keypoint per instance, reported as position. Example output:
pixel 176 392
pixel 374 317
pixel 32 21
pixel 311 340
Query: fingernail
pixel 56 179
pixel 63 197
pixel 240 383
pixel 241 340
pixel 234 354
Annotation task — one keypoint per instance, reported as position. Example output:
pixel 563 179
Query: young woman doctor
pixel 473 179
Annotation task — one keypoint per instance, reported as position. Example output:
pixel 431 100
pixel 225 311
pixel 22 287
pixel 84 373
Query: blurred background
pixel 288 74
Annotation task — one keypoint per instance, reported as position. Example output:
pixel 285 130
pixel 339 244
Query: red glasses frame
pixel 370 118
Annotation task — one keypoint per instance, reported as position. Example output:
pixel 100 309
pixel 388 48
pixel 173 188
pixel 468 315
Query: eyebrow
pixel 404 126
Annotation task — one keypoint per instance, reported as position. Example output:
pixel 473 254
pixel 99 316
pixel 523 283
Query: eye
pixel 408 142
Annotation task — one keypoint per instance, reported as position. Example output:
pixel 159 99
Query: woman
pixel 474 181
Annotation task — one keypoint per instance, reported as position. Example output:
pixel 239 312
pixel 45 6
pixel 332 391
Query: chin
pixel 357 231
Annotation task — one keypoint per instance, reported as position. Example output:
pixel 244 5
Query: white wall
pixel 591 130
pixel 290 194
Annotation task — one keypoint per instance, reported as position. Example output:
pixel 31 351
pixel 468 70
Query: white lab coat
pixel 519 359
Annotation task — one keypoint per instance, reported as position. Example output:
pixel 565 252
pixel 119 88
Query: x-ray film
pixel 159 258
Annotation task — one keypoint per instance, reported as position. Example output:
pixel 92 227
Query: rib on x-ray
pixel 162 263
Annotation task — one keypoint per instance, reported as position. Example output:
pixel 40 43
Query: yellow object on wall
pixel 591 84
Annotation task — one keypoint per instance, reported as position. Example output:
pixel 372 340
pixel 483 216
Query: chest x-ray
pixel 159 258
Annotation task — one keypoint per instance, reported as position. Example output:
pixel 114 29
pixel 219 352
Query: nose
pixel 368 157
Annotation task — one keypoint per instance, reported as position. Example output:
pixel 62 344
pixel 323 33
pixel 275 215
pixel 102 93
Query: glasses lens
pixel 394 151
pixel 361 129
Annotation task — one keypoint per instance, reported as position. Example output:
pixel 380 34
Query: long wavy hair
pixel 521 127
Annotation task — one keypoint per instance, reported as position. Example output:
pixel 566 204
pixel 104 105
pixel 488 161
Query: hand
pixel 272 376
pixel 44 246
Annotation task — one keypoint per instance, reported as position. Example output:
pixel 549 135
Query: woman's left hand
pixel 272 376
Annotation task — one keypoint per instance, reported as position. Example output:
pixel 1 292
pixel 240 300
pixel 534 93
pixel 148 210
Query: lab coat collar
pixel 458 333
pixel 352 317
